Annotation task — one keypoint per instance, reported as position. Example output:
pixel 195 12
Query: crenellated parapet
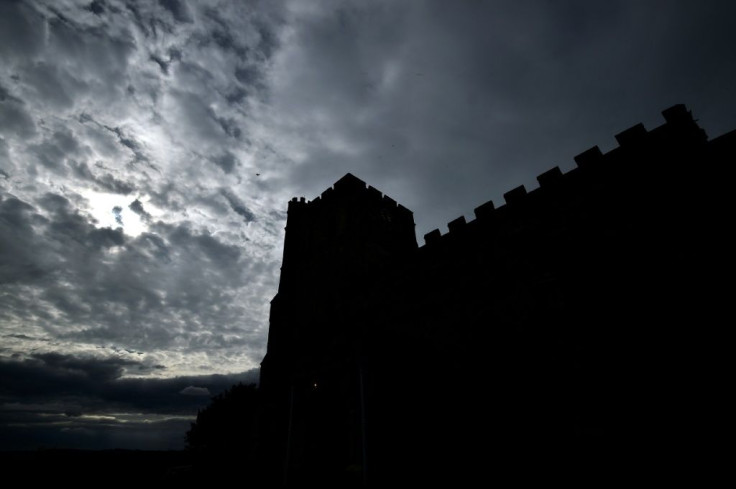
pixel 641 154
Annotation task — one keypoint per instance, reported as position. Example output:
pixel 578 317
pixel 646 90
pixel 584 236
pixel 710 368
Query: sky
pixel 148 150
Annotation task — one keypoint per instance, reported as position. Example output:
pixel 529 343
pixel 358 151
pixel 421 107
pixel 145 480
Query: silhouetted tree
pixel 228 424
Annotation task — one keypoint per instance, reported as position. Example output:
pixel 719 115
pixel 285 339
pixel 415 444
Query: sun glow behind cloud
pixel 113 211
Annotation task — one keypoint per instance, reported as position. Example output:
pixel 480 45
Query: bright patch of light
pixel 113 211
pixel 98 417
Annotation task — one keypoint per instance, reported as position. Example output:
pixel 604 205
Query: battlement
pixel 680 131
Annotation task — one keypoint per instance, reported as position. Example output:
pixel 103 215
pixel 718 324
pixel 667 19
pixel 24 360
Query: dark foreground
pixel 103 466
pixel 594 462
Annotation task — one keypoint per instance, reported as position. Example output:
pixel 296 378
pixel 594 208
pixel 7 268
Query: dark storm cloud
pixel 248 75
pixel 109 51
pixel 4 157
pixel 225 40
pixel 236 96
pixel 218 254
pixel 14 118
pixel 63 399
pixel 174 54
pixel 106 237
pixel 54 203
pixel 20 253
pixel 104 182
pixel 137 17
pixel 97 7
pixel 22 30
pixel 130 143
pixel 195 391
pixel 238 206
pixel 267 41
pixel 178 9
pixel 54 151
pixel 137 207
pixel 155 247
pixel 221 35
pixel 227 161
pixel 60 369
pixel 44 377
pixel 230 126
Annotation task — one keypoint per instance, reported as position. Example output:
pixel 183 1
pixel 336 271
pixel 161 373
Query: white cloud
pixel 133 102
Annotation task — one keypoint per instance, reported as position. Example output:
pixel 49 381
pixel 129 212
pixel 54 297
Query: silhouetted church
pixel 575 319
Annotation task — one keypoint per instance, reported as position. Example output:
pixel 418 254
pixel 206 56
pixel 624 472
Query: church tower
pixel 339 249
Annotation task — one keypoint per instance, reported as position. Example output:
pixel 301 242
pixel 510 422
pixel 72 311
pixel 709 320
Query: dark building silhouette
pixel 577 321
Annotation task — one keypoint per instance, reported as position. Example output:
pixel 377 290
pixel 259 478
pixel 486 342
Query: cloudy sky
pixel 148 150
